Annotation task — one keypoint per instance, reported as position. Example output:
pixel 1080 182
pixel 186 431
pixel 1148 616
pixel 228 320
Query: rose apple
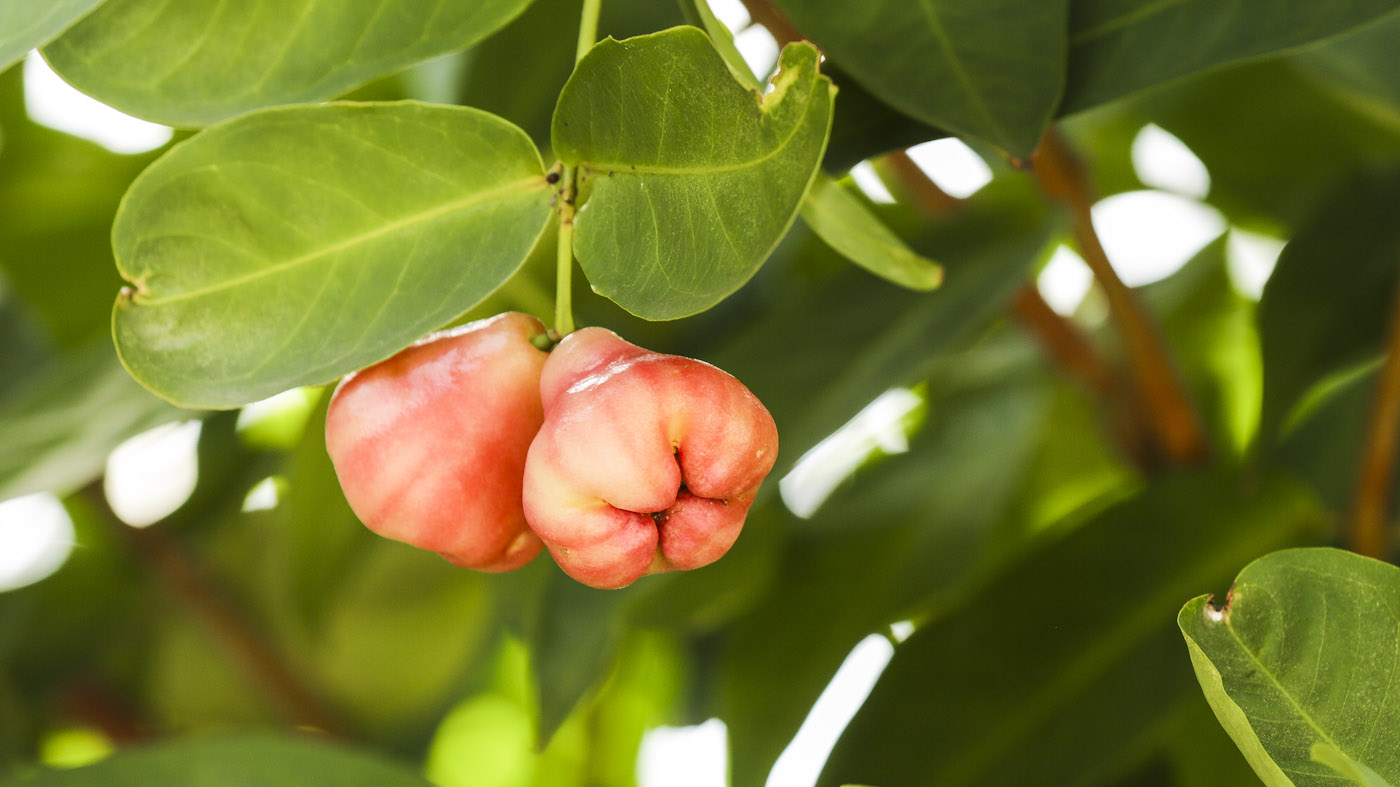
pixel 645 462
pixel 430 445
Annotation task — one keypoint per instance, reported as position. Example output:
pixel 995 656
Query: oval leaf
pixel 290 246
pixel 1118 47
pixel 1306 651
pixel 991 69
pixel 189 64
pixel 847 226
pixel 690 179
pixel 25 24
pixel 237 761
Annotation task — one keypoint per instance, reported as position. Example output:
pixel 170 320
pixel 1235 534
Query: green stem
pixel 568 189
pixel 563 290
pixel 587 28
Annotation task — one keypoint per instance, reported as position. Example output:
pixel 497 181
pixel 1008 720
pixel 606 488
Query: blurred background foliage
pixel 994 505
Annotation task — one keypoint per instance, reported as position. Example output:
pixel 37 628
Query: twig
pixel 1173 419
pixel 1370 525
pixel 1069 347
pixel 763 12
pixel 918 186
pixel 194 589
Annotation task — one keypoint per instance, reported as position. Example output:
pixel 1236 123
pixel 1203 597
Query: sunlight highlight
pixel 153 473
pixel 760 50
pixel 1065 281
pixel 696 756
pixel 1149 235
pixel 880 426
pixel 1251 257
pixel 36 537
pixel 869 183
pixel 54 103
pixel 801 762
pixel 1162 161
pixel 952 165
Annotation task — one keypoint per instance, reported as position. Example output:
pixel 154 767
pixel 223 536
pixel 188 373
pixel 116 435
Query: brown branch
pixel 1069 347
pixel 1173 419
pixel 763 12
pixel 183 580
pixel 917 185
pixel 1370 525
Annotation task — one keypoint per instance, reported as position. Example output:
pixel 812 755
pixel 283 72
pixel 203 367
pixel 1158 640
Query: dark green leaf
pixel 1304 652
pixel 248 760
pixel 1119 47
pixel 27 24
pixel 1325 306
pixel 690 179
pixel 290 246
pixel 991 70
pixel 1063 665
pixel 190 64
pixel 60 425
pixel 572 645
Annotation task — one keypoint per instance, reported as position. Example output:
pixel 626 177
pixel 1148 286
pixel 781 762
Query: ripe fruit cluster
pixel 477 445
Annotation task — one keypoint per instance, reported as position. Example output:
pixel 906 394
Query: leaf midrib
pixel 528 184
pixel 1266 672
pixel 1131 18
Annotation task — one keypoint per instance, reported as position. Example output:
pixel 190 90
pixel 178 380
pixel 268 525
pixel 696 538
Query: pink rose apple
pixel 430 444
pixel 645 462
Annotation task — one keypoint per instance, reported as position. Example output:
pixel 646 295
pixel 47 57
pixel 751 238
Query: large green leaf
pixel 1304 659
pixel 690 179
pixel 189 64
pixel 1364 67
pixel 290 246
pixel 1059 669
pixel 1119 47
pixel 1326 304
pixel 27 24
pixel 986 69
pixel 247 760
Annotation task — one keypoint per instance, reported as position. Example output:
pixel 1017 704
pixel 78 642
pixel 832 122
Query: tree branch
pixel 1370 525
pixel 763 12
pixel 195 590
pixel 1173 419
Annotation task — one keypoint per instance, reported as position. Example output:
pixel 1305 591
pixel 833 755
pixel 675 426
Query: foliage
pixel 352 175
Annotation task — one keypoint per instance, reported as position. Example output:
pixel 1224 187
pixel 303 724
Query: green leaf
pixel 1304 652
pixel 846 225
pixel 246 760
pixel 60 425
pixel 1337 760
pixel 27 24
pixel 1063 664
pixel 290 246
pixel 838 218
pixel 572 645
pixel 1363 67
pixel 690 179
pixel 1317 317
pixel 723 41
pixel 990 69
pixel 1119 47
pixel 191 64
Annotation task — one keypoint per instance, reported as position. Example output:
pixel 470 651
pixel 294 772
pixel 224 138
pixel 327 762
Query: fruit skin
pixel 430 445
pixel 645 462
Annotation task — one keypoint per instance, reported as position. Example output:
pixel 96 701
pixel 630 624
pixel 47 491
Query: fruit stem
pixel 568 190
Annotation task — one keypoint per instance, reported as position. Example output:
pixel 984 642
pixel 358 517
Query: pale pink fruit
pixel 430 444
pixel 645 462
